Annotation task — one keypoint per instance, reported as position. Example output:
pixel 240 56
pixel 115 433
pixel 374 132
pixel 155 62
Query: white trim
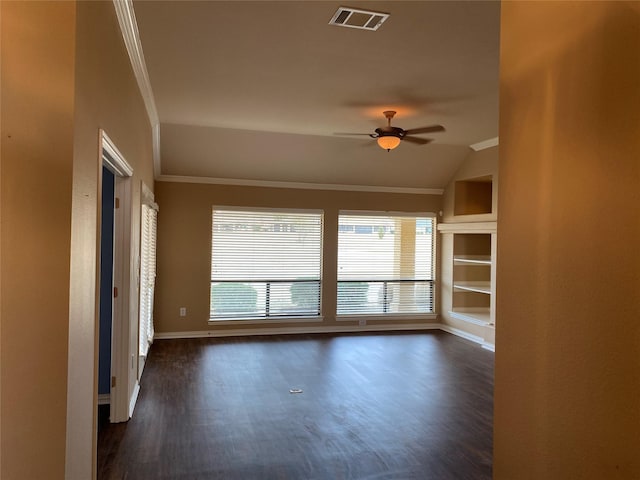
pixel 297 185
pixel 104 399
pixel 388 317
pixel 468 227
pixel 491 142
pixel 473 338
pixel 112 158
pixel 129 29
pixel 470 317
pixel 462 334
pixel 332 329
pixel 155 149
pixel 382 213
pixel 295 330
pixel 263 321
pixel 232 208
pixel 134 398
pixel 146 196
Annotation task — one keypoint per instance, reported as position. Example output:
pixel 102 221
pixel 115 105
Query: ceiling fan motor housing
pixel 389 131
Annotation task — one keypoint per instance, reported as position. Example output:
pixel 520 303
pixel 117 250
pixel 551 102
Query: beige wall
pixel 107 97
pixel 184 242
pixel 38 46
pixel 567 377
pixel 65 74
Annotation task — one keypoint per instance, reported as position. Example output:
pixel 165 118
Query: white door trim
pixel 112 158
pixel 115 161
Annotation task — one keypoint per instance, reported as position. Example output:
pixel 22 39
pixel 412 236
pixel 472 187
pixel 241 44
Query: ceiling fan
pixel 389 137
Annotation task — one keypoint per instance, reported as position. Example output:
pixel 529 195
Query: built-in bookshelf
pixel 474 196
pixel 468 254
pixel 472 286
pixel 470 275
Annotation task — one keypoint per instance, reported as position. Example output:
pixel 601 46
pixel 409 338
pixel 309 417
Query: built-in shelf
pixel 469 252
pixel 472 260
pixel 477 286
pixel 473 196
pixel 478 316
pixel 468 227
pixel 472 279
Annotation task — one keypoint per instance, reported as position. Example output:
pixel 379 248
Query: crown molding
pixel 492 142
pixel 297 185
pixel 129 28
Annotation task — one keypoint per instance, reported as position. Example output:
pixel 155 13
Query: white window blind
pixel 148 227
pixel 385 263
pixel 265 263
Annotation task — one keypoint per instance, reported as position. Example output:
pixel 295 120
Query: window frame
pixel 276 319
pixel 393 316
pixel 148 271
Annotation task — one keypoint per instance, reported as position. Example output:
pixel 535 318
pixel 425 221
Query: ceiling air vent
pixel 354 18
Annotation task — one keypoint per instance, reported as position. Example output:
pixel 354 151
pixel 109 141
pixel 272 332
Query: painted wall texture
pixel 107 97
pixel 184 242
pixel 567 377
pixel 65 75
pixel 38 68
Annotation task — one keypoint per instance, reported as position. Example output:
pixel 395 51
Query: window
pixel 385 263
pixel 265 263
pixel 148 227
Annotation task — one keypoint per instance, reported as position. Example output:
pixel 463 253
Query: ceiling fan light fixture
pixel 388 142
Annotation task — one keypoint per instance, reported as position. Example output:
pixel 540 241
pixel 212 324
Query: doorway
pixel 106 294
pixel 116 378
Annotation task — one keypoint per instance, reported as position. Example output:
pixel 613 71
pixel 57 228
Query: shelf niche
pixel 471 296
pixel 473 196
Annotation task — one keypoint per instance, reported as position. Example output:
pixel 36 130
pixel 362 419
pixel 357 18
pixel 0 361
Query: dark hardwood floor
pixel 373 406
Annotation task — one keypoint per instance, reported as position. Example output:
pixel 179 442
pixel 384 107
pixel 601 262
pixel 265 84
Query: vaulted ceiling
pixel 257 91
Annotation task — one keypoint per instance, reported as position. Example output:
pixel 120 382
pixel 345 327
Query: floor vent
pixel 354 18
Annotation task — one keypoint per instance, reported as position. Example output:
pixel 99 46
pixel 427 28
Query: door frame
pixel 120 396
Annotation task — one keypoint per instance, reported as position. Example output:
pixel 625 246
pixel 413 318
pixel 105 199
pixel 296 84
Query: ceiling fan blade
pixel 417 141
pixel 352 134
pixel 429 129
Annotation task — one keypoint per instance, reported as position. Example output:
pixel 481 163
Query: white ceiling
pixel 256 90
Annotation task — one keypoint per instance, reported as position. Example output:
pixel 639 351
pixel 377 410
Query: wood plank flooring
pixel 373 406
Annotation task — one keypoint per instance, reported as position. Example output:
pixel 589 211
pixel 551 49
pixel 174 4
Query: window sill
pixel 263 321
pixel 386 317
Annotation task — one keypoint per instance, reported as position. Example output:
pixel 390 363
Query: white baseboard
pixel 104 399
pixel 134 399
pixel 237 332
pixel 468 336
pixel 461 333
pixel 489 346
pixel 299 330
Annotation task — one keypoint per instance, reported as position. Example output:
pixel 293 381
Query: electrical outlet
pixel 183 311
pixel 362 322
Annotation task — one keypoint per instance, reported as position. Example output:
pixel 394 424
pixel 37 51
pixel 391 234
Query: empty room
pixel 315 240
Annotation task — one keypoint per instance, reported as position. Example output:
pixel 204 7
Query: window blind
pixel 385 263
pixel 265 263
pixel 148 234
